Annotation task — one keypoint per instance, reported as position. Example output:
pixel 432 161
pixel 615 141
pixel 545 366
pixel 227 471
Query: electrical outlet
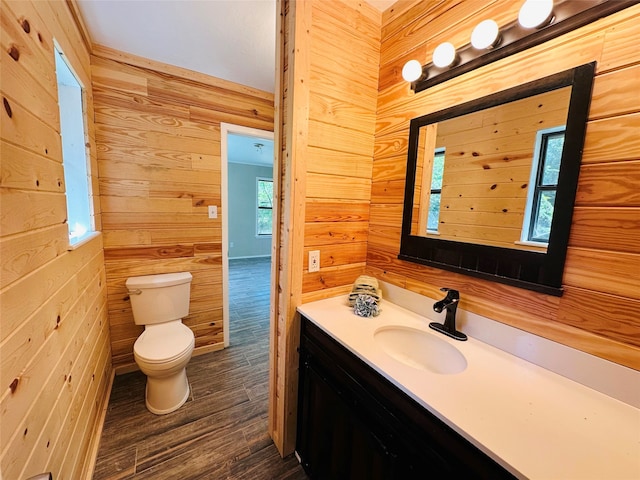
pixel 314 260
pixel 213 211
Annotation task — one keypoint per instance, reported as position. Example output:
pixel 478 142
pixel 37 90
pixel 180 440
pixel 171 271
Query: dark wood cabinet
pixel 355 424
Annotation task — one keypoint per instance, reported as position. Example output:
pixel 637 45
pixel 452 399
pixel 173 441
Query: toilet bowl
pixel 163 350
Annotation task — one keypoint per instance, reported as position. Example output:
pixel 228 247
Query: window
pixel 544 183
pixel 74 158
pixel 436 190
pixel 265 206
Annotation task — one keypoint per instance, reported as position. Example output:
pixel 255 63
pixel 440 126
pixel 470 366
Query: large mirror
pixel 491 183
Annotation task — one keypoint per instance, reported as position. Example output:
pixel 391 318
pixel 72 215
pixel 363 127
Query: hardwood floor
pixel 221 431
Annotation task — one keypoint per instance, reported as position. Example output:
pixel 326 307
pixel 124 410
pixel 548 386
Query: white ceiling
pixel 229 39
pixel 249 150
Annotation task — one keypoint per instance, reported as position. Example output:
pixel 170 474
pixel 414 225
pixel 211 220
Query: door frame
pixel 225 130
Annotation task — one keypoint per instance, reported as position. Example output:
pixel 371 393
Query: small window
pixel 74 158
pixel 265 207
pixel 544 183
pixel 436 190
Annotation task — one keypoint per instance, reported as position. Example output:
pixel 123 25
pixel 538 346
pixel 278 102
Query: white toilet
pixel 162 351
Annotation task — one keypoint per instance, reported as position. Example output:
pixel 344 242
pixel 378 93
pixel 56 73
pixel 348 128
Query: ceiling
pixel 249 150
pixel 229 39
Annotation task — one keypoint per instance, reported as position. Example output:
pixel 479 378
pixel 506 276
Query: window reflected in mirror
pixel 543 185
pixel 489 177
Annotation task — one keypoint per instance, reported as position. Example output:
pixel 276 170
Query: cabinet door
pixel 334 441
pixel 355 424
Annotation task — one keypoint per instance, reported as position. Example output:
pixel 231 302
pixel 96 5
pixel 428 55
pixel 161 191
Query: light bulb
pixel 535 13
pixel 485 35
pixel 444 55
pixel 412 71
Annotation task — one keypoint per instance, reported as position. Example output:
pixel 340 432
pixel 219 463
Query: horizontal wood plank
pixel 337 187
pixel 608 272
pixel 612 184
pixel 606 229
pixel 328 233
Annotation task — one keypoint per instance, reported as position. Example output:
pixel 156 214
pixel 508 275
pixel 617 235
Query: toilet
pixel 162 351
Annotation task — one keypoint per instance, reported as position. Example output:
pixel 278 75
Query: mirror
pixel 491 183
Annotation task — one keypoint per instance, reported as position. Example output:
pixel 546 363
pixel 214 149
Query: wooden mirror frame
pixel 537 271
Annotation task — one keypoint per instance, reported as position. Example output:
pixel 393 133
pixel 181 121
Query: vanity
pixel 374 404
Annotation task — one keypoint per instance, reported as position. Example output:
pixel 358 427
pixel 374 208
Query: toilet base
pixel 167 394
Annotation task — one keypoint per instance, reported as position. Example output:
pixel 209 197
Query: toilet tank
pixel 159 298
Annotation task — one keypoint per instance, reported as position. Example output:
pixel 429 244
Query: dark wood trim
pixel 526 269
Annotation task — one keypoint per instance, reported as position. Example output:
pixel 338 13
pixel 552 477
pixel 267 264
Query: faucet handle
pixel 451 293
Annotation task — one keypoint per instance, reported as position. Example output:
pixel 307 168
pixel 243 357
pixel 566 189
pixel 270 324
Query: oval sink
pixel 419 349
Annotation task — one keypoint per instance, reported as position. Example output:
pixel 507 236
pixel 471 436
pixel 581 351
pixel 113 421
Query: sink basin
pixel 419 349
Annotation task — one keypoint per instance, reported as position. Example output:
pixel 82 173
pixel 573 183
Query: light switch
pixel 213 211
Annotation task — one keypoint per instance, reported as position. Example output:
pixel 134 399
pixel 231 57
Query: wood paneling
pixel 602 264
pixel 55 358
pixel 158 143
pixel 343 58
pixel 326 99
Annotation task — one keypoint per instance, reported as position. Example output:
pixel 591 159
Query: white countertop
pixel 535 423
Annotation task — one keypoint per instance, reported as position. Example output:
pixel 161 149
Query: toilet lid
pixel 163 343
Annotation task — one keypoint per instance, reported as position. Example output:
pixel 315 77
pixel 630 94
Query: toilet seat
pixel 164 343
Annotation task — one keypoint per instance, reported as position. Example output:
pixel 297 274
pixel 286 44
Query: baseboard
pixel 208 348
pixel 126 368
pixel 97 434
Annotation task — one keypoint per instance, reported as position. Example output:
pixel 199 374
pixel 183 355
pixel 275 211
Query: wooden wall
pixel 158 148
pixel 343 71
pixel 55 359
pixel 326 97
pixel 598 311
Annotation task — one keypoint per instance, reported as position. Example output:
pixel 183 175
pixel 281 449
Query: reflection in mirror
pixel 491 183
pixel 489 177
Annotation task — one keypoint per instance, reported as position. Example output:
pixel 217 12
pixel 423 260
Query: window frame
pixel 79 159
pixel 535 185
pixel 259 208
pixel 435 191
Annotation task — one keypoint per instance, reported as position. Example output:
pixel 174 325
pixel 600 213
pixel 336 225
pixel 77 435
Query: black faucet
pixel 450 303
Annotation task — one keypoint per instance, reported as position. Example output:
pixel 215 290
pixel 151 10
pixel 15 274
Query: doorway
pixel 247 203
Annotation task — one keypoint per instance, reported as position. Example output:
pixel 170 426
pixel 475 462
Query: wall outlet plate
pixel 314 261
pixel 213 211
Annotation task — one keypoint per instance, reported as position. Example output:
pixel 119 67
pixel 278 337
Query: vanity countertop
pixel 535 423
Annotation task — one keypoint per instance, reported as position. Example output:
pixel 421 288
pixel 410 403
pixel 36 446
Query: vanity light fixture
pixel 485 35
pixel 412 70
pixel 538 21
pixel 444 55
pixel 536 13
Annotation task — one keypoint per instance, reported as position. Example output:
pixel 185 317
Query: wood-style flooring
pixel 221 431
